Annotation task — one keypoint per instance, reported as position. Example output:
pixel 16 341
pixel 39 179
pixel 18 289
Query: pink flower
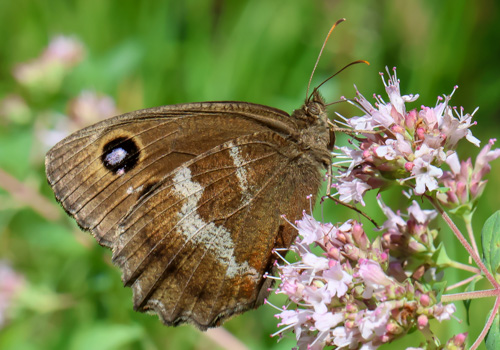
pixel 67 50
pixel 338 280
pixel 465 182
pixel 457 342
pixel 326 321
pixel 295 319
pixel 374 323
pixel 311 230
pixel 422 321
pixel 374 277
pixel 443 312
pixel 89 107
pixel 318 298
pixel 482 167
pixel 354 190
pixel 424 172
pixel 394 221
pixel 419 215
pixel 345 337
pixel 345 297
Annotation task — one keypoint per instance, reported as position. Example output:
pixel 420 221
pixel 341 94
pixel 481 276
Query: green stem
pixel 470 231
pixel 464 267
pixel 464 242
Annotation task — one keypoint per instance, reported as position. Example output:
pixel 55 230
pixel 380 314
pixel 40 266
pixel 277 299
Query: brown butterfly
pixel 189 198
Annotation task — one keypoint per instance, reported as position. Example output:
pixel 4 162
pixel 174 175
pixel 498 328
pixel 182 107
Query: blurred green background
pixel 143 54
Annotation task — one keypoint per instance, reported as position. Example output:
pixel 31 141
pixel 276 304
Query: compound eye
pixel 313 109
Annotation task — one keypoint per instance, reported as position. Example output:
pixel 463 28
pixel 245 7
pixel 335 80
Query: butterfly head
pixel 313 113
pixel 316 134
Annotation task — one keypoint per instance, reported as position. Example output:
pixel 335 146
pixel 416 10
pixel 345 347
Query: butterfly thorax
pixel 316 135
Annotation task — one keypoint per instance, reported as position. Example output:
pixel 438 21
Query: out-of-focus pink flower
pixel 46 72
pixel 85 109
pixel 10 284
pixel 67 50
pixel 14 108
pixel 90 107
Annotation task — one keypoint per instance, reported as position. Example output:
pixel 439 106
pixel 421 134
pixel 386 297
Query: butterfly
pixel 189 198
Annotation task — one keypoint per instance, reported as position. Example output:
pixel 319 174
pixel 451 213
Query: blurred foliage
pixel 145 54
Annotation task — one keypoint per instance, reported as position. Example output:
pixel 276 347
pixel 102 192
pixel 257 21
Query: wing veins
pixel 135 273
pixel 202 156
pixel 241 226
pixel 97 158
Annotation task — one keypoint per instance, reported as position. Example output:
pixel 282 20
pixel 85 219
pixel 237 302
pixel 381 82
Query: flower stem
pixel 470 295
pixel 464 242
pixel 464 267
pixel 464 282
pixel 470 231
pixel 487 325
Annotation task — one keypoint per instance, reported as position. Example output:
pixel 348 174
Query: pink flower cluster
pixel 347 297
pixel 359 294
pixel 48 70
pixel 406 238
pixel 87 108
pixel 43 76
pixel 399 145
pixel 465 182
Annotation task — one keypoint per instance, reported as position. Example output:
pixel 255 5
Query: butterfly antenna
pixel 338 72
pixel 320 53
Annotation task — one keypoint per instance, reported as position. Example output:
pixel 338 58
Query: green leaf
pixel 440 256
pixel 490 237
pixel 492 340
pixel 439 288
pixel 105 336
pixel 462 210
pixel 467 302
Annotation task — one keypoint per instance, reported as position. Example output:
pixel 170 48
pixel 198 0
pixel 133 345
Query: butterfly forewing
pixel 157 140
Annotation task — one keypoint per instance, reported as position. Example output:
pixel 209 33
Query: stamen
pixel 281 257
pixel 310 203
pixel 286 219
pixel 282 330
pixel 272 277
pixel 341 117
pixel 267 302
